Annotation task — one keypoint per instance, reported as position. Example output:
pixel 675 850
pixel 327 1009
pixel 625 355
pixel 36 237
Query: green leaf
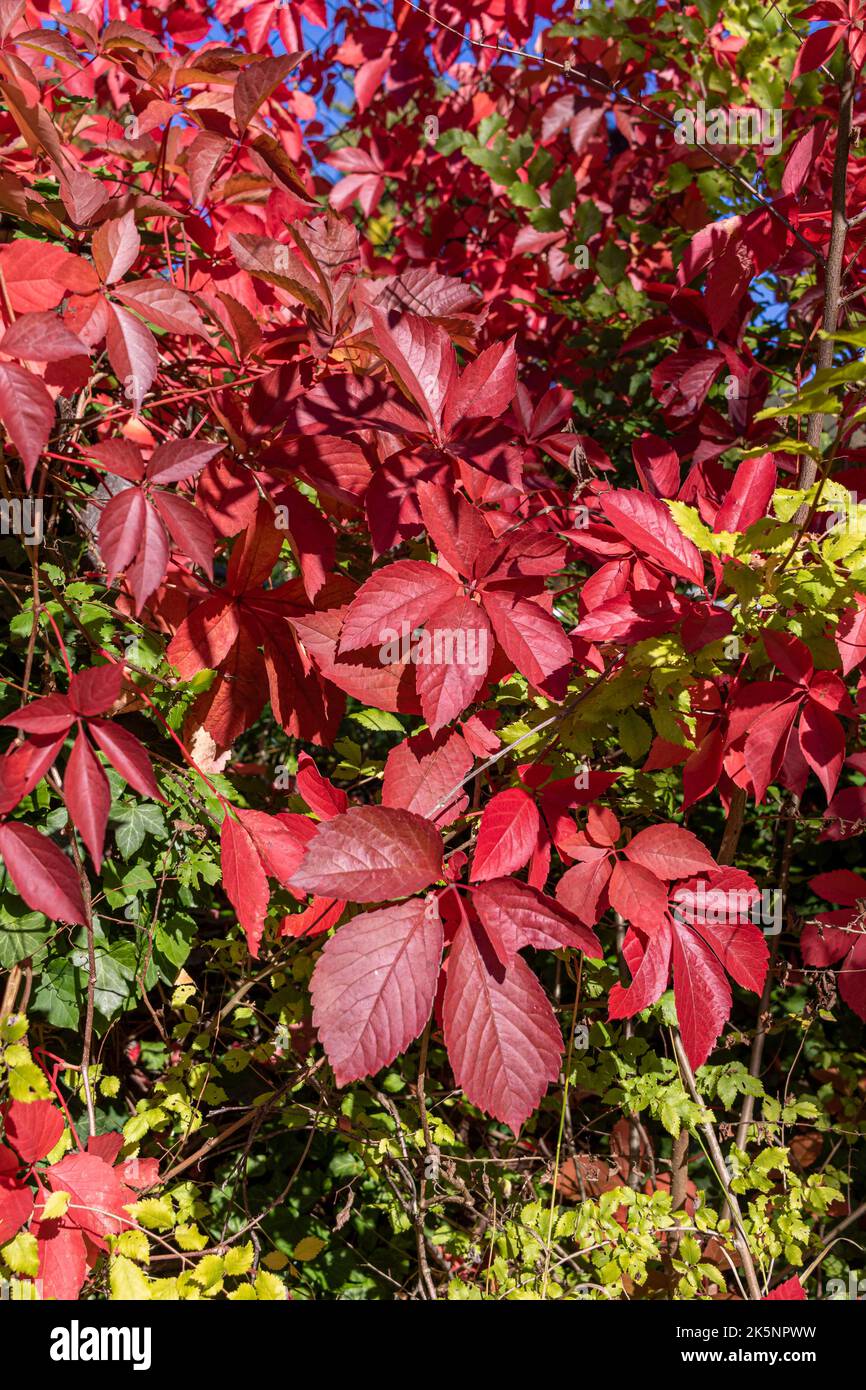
pixel 451 140
pixel 127 1282
pixel 56 995
pixel 22 934
pixel 523 195
pixel 22 1255
pixel 379 720
pixel 189 1237
pixel 563 192
pixel 611 263
pixel 689 522
pixel 690 1250
pixel 55 1206
pixel 134 822
pixel 173 938
pixel 239 1259
pixel 135 1245
pixel 492 164
pixel 269 1289
pixel 155 1213
pixel 635 735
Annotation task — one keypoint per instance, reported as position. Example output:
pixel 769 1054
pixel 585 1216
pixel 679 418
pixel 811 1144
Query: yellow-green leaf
pixel 22 1254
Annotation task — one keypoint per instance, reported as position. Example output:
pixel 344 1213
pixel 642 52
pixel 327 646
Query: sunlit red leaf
pixel 373 986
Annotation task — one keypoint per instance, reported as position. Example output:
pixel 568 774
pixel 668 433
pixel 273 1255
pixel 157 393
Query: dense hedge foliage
pixel 433 575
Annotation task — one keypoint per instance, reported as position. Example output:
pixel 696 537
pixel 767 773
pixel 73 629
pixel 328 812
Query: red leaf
pixel 460 633
pixel 321 915
pixel 62 1259
pixel 202 161
pixel 16 1204
pixel 702 994
pixel 632 617
pixel 506 836
pixel 205 638
pixel 42 875
pixel 728 278
pixel 637 895
pixel 163 304
pixel 657 464
pixel 115 247
pixel 120 527
pixel 459 531
pixel 702 768
pixel 755 700
pixel 649 526
pixel 681 382
pixel 127 755
pixel 396 599
pixel 132 354
pixel 827 939
pixel 258 81
pixel 88 796
pixel 244 880
pixel 373 986
pixel 741 948
pixel 802 157
pixel 846 814
pixel 370 854
pixel 721 914
pixel 816 49
pixel 179 459
pixel 649 976
pixel 255 553
pixel 120 457
pixel 503 1040
pixel 421 356
pixel 27 411
pixel 368 79
pixel 41 338
pixel 852 977
pixel 320 795
pixel 280 841
pixel 189 529
pixel 749 495
pixel 529 636
pixel 53 714
pixel 822 740
pixel 485 388
pixel 789 1289
pixel 97 1193
pixel 273 261
pixel 764 748
pixel 33 1128
pixel 148 568
pixel 37 274
pixel 851 635
pixel 106 1146
pixel 341 403
pixel 96 689
pixel 82 194
pixel 839 886
pixel 516 915
pixel 424 774
pixel 669 852
pixel 581 887
pixel 790 655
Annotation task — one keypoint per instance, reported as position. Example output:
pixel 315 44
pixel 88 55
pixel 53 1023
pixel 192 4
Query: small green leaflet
pixel 379 720
pixel 132 823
